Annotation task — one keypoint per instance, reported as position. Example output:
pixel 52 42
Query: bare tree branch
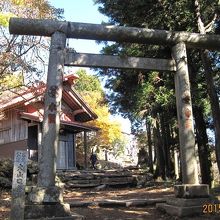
pixel 210 25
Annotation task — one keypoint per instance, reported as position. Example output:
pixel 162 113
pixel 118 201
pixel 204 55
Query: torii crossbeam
pixel 41 27
pixel 107 61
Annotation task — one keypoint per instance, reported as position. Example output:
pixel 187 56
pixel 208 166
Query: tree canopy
pixel 24 55
pixel 148 96
pixel 110 130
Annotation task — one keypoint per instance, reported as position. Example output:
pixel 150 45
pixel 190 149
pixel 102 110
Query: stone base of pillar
pixel 52 194
pixel 191 191
pixel 184 207
pixel 189 200
pixel 49 211
pixel 47 203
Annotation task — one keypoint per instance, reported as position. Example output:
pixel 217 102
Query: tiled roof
pixel 25 95
pixel 12 98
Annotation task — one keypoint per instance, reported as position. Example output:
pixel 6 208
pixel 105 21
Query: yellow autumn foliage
pixel 91 90
pixel 25 9
pixel 4 18
pixel 18 2
pixel 10 81
pixel 110 130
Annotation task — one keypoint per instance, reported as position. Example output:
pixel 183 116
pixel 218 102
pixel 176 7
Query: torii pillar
pixel 185 116
pixel 46 200
pixel 190 197
pixel 52 110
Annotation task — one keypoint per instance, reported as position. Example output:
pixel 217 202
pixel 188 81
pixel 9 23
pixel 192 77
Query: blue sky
pixel 81 11
pixel 85 11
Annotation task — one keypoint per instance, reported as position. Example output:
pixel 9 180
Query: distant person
pixel 142 158
pixel 93 159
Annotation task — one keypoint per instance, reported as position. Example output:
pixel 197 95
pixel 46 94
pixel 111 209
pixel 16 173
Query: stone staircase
pixel 102 178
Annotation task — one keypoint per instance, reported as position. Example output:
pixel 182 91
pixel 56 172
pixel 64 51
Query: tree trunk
pixel 149 140
pixel 203 148
pixel 174 152
pixel 166 145
pixel 214 101
pixel 85 149
pixel 201 134
pixel 160 170
pixel 170 153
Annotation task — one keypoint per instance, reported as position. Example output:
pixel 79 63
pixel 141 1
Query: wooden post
pixel 18 185
pixel 74 150
pixel 185 116
pixel 52 108
pixel 85 150
pixel 39 137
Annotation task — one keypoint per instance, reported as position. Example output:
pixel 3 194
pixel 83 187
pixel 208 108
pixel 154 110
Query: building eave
pixel 82 126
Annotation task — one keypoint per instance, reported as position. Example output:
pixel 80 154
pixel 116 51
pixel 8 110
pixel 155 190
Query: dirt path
pixel 129 213
pixel 114 193
pixel 97 213
pixel 94 212
pixel 148 213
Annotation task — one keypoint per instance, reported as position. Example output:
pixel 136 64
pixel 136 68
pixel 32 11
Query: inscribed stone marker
pixel 18 185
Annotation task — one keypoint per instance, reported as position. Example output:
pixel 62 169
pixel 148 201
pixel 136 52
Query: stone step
pixel 86 185
pixel 112 181
pixel 117 203
pixel 183 207
pixel 179 211
pixel 130 203
pixel 181 202
pixel 93 178
pixel 90 185
pixel 72 217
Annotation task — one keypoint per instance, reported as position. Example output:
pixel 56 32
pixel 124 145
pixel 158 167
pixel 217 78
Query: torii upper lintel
pixel 42 27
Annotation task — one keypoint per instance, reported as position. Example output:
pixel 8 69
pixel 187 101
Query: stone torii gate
pixel 59 56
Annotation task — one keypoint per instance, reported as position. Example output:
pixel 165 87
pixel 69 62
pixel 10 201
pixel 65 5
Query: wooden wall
pixel 12 128
pixel 7 150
